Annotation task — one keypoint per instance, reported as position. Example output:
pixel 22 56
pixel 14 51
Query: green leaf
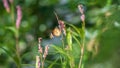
pixel 14 30
pixel 74 33
pixel 14 57
pixel 61 51
pixel 76 29
pixel 69 39
pixel 79 43
pixel 82 31
pixel 51 65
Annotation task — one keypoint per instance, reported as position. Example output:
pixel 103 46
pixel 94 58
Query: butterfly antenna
pixel 56 16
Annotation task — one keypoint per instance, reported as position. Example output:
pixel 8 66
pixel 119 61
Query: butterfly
pixel 55 32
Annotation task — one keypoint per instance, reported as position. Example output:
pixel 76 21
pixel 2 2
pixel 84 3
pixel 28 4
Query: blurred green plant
pixel 101 33
pixel 13 52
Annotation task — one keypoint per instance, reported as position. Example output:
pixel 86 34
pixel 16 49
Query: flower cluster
pixel 80 7
pixel 6 5
pixel 40 59
pixel 19 12
pixel 46 51
pixel 19 16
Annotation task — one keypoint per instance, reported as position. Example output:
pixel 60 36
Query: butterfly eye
pixel 56 32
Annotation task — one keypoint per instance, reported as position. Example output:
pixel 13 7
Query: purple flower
pixel 6 5
pixel 19 16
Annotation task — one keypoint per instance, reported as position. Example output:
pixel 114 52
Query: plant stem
pixel 62 41
pixel 72 63
pixel 81 57
pixel 43 63
pixel 17 46
pixel 41 60
pixel 16 37
pixel 83 45
pixel 17 52
pixel 12 13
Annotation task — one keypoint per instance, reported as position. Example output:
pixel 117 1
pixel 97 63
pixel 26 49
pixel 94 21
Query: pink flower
pixel 61 24
pixel 6 5
pixel 80 7
pixel 46 51
pixel 19 17
pixel 40 48
pixel 39 45
pixel 82 17
pixel 39 40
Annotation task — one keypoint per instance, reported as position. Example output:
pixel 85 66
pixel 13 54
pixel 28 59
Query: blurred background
pixel 38 20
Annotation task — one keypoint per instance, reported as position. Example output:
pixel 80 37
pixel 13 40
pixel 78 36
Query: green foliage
pixel 102 26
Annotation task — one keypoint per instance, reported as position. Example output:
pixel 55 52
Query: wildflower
pixel 37 62
pixel 82 17
pixel 39 45
pixel 80 7
pixel 19 17
pixel 40 48
pixel 6 5
pixel 62 26
pixel 39 40
pixel 46 51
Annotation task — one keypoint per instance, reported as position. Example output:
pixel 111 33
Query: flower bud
pixel 80 7
pixel 19 17
pixel 46 51
pixel 82 17
pixel 6 5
